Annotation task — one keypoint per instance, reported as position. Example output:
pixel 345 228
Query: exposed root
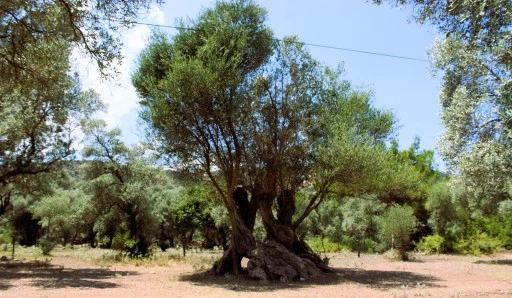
pixel 272 261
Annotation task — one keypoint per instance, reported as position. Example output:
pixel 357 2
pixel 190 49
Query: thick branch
pixel 313 203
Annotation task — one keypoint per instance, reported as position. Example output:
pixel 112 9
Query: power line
pixel 305 43
pixel 365 52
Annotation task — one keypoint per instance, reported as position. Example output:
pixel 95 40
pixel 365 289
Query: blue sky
pixel 406 87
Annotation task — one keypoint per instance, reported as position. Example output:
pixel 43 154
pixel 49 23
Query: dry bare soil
pixel 82 272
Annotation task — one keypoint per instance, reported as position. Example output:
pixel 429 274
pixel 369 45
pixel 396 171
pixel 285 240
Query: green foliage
pixel 477 244
pixel 122 179
pixel 498 227
pixel 431 244
pixel 43 105
pixel 474 58
pixel 505 208
pixel 39 119
pixel 123 242
pixel 195 89
pixel 482 235
pixel 350 151
pixel 191 209
pixel 421 173
pixel 360 219
pixel 46 244
pixel 475 61
pixel 5 237
pixel 326 221
pixel 396 226
pixel 60 213
pixel 264 113
pixel 90 26
pixel 320 245
pixel 442 209
pixel 186 80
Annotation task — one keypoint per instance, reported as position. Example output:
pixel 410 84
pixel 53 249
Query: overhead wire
pixel 305 43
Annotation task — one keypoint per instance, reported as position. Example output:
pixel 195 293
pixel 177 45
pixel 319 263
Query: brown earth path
pixel 368 276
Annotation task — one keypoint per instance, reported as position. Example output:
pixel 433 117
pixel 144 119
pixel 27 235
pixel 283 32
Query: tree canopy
pixel 41 102
pixel 40 119
pixel 122 179
pixel 27 26
pixel 475 58
pixel 260 117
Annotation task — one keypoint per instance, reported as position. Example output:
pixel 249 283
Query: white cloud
pixel 156 14
pixel 119 95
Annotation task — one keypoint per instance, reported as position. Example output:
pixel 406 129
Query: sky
pixel 406 87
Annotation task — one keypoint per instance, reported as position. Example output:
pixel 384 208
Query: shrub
pixel 327 245
pixel 123 242
pixel 498 227
pixel 5 238
pixel 431 244
pixel 46 244
pixel 478 244
pixel 397 225
pixel 371 246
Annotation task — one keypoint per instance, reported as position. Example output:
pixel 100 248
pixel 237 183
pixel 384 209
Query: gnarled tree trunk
pixel 283 256
pixel 245 217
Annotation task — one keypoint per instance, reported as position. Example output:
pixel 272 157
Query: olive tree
pixel 27 26
pixel 123 179
pixel 396 226
pixel 39 123
pixel 261 119
pixel 474 57
pixel 194 99
pixel 360 219
pixel 41 103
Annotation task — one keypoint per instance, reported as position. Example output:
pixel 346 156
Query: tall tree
pixel 225 97
pixel 40 103
pixel 309 127
pixel 475 57
pixel 194 99
pixel 40 119
pixel 120 178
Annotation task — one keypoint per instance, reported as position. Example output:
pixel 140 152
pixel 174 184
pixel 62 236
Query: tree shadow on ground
pixel 4 285
pixel 369 278
pixel 45 275
pixel 495 262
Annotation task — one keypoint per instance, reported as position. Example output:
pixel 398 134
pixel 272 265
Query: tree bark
pixel 184 244
pixel 283 256
pixel 273 261
pixel 277 231
pixel 244 216
pixel 225 264
pixel 286 207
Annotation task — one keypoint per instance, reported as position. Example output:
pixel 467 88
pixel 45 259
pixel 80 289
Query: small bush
pixel 123 242
pixel 328 245
pixel 136 248
pixel 394 254
pixel 478 244
pixel 499 227
pixel 371 246
pixel 396 227
pixel 431 244
pixel 46 245
pixel 5 238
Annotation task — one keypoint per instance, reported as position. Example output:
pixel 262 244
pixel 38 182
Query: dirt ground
pixel 80 273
